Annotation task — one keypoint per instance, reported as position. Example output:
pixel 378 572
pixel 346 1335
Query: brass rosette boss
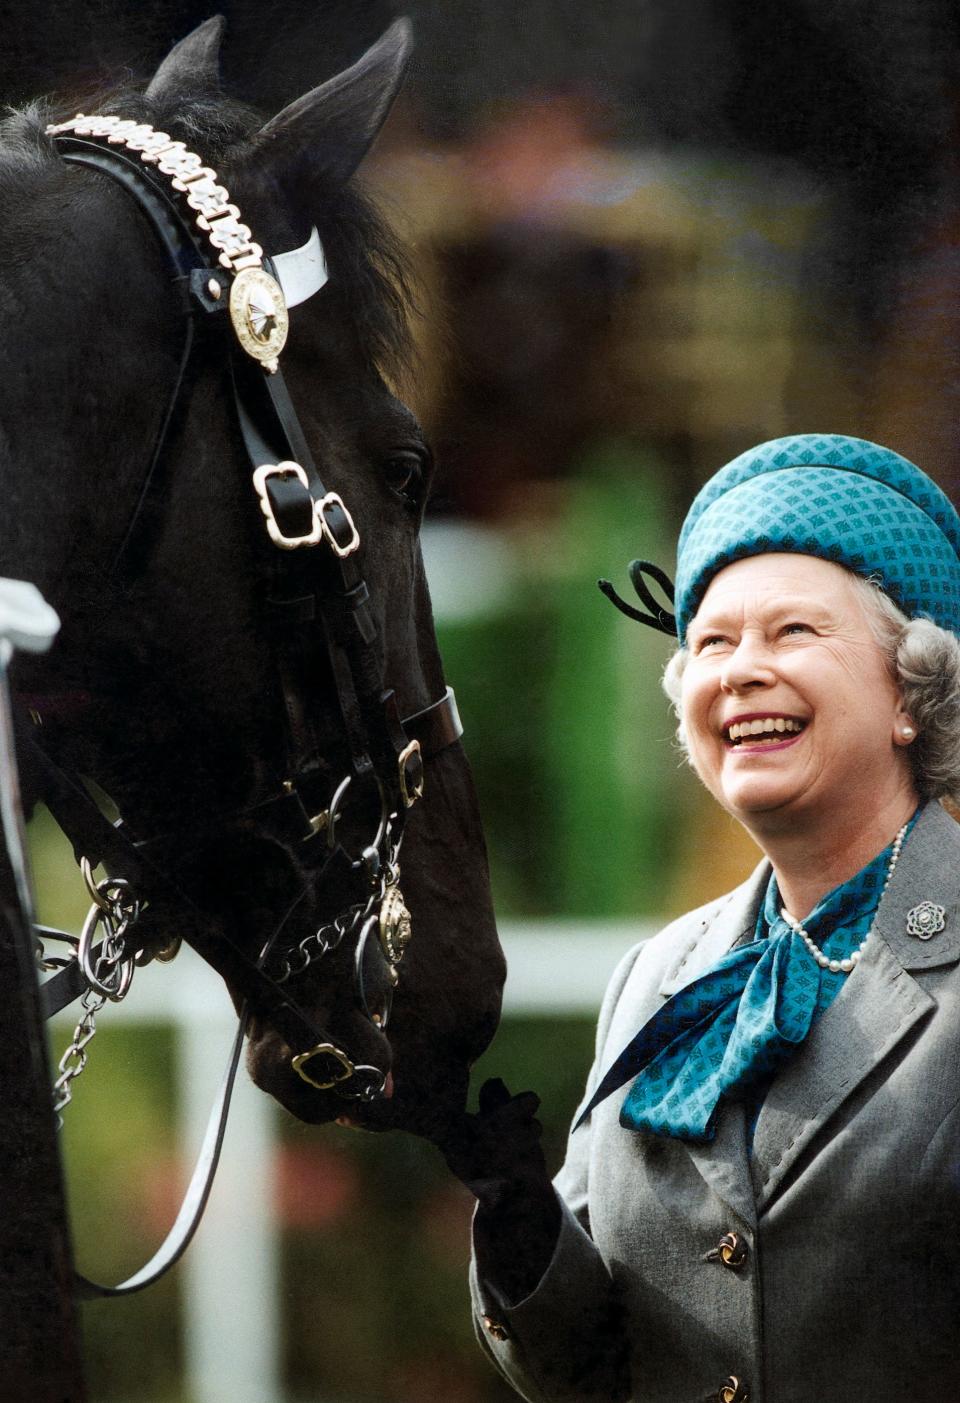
pixel 395 924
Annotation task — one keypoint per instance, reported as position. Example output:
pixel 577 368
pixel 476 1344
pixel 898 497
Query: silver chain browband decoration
pixel 258 309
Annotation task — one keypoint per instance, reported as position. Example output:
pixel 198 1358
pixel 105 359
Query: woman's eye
pixel 796 627
pixel 405 473
pixel 713 640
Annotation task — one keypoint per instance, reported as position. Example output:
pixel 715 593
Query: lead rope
pixel 194 1200
pixel 107 970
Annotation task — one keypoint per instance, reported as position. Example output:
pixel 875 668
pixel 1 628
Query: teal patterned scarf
pixel 727 1033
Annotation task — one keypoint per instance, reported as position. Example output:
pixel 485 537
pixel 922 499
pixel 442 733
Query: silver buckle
pixel 333 499
pixel 285 469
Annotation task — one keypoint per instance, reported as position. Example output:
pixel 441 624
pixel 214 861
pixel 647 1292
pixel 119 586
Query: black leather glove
pixel 497 1153
pixel 498 1156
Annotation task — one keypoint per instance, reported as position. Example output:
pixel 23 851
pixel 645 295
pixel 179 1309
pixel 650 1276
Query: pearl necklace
pixel 845 966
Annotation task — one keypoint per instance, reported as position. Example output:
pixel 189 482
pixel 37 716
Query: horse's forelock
pixel 23 144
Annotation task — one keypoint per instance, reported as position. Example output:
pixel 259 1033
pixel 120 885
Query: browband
pixel 259 298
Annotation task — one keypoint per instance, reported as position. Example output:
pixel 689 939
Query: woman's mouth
pixel 756 732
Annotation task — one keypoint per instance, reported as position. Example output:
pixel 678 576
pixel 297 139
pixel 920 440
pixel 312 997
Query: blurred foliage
pixel 582 789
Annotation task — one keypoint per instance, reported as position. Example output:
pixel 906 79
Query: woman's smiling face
pixel 787 703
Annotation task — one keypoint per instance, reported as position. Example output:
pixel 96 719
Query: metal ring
pixel 123 969
pixel 334 811
pixel 110 892
pixel 96 896
pixel 376 1081
pixel 114 890
pixel 374 975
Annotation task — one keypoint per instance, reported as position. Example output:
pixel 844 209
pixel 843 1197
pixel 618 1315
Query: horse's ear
pixel 192 67
pixel 329 130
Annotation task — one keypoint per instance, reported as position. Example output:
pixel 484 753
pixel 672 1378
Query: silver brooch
pixel 926 920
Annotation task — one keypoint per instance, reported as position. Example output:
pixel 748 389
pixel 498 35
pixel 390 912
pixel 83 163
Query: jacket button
pixel 732 1250
pixel 495 1328
pixel 733 1390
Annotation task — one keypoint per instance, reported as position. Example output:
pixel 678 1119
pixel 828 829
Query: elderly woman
pixel 761 1196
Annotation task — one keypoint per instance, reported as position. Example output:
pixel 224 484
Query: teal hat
pixel 842 499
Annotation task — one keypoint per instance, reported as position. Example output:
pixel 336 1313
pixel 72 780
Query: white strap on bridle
pixel 302 271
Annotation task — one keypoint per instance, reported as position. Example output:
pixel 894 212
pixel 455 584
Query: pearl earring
pixel 908 733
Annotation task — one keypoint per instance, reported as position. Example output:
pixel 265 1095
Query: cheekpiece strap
pixel 658 617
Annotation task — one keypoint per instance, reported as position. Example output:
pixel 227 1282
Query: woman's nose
pixel 748 666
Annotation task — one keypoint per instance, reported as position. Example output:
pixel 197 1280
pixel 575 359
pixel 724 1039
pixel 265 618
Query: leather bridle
pixel 229 294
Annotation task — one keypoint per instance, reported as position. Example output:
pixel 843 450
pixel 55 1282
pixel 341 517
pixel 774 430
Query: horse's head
pixel 218 686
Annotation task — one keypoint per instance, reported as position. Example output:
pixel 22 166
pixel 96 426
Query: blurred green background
pixel 645 241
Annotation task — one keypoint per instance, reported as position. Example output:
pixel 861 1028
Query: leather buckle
pixel 333 499
pixel 411 780
pixel 285 469
pixel 339 1067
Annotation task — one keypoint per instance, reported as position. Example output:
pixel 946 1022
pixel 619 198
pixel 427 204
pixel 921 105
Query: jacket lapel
pixel 878 1005
pixel 736 920
pixel 723 1163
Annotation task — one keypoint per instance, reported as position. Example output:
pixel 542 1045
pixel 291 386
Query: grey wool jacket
pixel 843 1284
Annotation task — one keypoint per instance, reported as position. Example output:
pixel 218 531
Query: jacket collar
pixel 734 922
pixel 928 870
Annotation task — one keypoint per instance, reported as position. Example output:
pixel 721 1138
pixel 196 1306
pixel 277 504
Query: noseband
pixel 230 294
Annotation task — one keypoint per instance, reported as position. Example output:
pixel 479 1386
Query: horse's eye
pixel 405 474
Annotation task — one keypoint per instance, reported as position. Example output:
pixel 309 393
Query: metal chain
pixel 314 946
pixel 74 1058
pixel 107 970
pixel 295 962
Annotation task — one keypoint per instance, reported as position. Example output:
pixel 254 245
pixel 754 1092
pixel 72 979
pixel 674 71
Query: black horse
pixel 169 685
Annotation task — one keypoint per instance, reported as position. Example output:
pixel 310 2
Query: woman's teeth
pixel 766 727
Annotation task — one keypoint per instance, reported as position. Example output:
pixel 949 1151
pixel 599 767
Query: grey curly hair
pixel 924 662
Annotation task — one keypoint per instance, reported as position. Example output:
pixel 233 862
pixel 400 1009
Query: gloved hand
pixel 497 1153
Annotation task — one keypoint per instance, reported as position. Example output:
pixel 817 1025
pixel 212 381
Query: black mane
pixel 363 252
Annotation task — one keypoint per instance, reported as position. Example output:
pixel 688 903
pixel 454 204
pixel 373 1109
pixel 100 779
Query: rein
pixel 226 284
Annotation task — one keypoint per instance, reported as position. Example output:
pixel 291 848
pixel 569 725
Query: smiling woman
pixel 792 1120
pixel 920 660
pixel 789 709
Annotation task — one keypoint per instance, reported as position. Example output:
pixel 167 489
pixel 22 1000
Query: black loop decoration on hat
pixel 658 617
